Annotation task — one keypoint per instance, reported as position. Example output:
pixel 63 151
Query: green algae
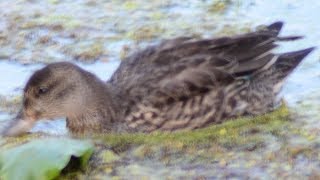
pixel 235 132
pixel 10 104
pixel 208 24
pixel 54 2
pixel 55 21
pixel 146 32
pixel 108 156
pixel 45 32
pixel 130 5
pixel 219 6
pixel 219 145
pixel 86 51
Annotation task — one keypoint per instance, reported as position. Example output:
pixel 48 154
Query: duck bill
pixel 19 125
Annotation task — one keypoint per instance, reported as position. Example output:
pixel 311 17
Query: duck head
pixel 63 90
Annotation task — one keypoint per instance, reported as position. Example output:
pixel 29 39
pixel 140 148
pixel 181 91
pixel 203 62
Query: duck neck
pixel 99 110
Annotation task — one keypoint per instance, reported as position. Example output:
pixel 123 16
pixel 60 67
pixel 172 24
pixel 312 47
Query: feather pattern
pixel 186 83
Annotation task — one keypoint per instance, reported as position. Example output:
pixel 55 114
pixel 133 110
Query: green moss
pixel 86 51
pixel 237 133
pixel 54 1
pixel 130 5
pixel 219 6
pixel 54 21
pixel 216 143
pixel 157 16
pixel 146 32
pixel 229 30
pixel 108 156
pixel 233 133
pixel 10 104
pixel 16 141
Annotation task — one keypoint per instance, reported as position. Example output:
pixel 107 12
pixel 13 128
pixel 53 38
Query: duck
pixel 179 84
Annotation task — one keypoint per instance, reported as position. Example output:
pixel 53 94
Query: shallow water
pixel 121 25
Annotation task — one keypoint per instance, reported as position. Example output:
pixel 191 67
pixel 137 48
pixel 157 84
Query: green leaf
pixel 42 159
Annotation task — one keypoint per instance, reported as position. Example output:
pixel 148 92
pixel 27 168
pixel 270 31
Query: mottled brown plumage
pixel 182 83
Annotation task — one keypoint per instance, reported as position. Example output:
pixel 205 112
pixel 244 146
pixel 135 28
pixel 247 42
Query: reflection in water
pixel 57 126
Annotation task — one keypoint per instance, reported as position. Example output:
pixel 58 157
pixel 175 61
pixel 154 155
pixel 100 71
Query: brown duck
pixel 181 83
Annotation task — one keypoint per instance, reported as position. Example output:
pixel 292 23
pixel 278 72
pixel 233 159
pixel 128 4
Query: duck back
pixel 186 83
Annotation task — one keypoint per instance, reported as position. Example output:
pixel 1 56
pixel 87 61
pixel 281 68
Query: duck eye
pixel 42 90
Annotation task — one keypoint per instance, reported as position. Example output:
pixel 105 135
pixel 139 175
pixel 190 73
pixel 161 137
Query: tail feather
pixel 275 27
pixel 287 62
pixel 254 52
pixel 289 38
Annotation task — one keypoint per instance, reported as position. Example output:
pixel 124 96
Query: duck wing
pixel 184 67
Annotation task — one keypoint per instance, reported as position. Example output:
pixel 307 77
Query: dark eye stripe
pixel 53 84
pixel 66 90
pixel 48 88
